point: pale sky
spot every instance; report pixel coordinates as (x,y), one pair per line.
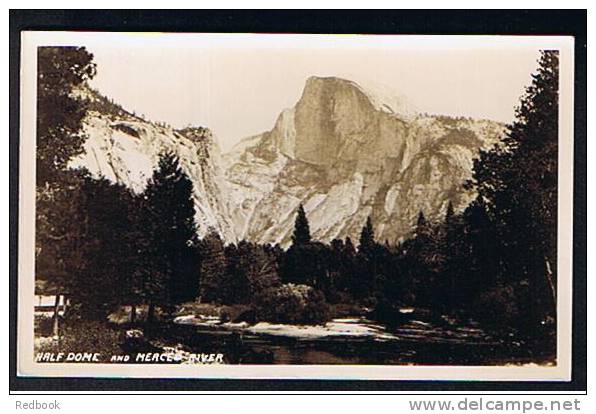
(237,86)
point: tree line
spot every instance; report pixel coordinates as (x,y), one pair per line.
(105,246)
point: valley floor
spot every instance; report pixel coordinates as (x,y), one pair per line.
(343,340)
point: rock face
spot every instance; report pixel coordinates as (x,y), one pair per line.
(341,151)
(125,148)
(346,154)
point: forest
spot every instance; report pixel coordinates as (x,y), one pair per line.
(104,247)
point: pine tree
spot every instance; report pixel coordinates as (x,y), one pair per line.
(349,247)
(367,266)
(170,207)
(348,273)
(518,182)
(236,278)
(107,250)
(215,285)
(60,222)
(336,264)
(423,263)
(367,237)
(452,250)
(301,233)
(449,213)
(256,272)
(60,113)
(142,286)
(421,223)
(297,264)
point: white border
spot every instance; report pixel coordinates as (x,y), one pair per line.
(25,361)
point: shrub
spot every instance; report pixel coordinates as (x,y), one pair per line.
(88,336)
(498,306)
(290,303)
(231,313)
(43,325)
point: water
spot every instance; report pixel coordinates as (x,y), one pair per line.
(343,341)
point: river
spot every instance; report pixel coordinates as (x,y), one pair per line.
(354,340)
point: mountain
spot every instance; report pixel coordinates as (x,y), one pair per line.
(345,153)
(125,148)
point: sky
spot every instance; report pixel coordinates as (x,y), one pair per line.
(238,84)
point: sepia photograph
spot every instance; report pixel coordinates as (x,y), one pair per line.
(295,205)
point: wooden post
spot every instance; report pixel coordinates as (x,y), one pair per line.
(55,325)
(551,282)
(150,313)
(133,313)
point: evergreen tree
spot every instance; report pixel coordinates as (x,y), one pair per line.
(518,182)
(300,262)
(301,233)
(421,224)
(215,283)
(307,264)
(349,247)
(255,272)
(236,278)
(367,237)
(60,237)
(453,251)
(366,281)
(142,286)
(423,260)
(107,250)
(59,218)
(59,112)
(336,263)
(170,207)
(347,278)
(482,266)
(449,213)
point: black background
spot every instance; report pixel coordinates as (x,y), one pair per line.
(435,22)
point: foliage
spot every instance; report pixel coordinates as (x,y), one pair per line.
(107,247)
(499,303)
(290,303)
(341,264)
(59,113)
(367,238)
(518,181)
(251,269)
(307,264)
(59,138)
(85,337)
(214,285)
(60,232)
(301,233)
(172,231)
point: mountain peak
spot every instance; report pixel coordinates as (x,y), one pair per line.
(334,119)
(314,78)
(382,97)
(346,151)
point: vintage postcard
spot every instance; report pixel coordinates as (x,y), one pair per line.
(295,206)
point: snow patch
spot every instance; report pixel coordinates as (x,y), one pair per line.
(335,328)
(385,99)
(208,321)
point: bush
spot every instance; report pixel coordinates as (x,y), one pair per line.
(292,303)
(232,313)
(88,336)
(498,306)
(346,309)
(43,325)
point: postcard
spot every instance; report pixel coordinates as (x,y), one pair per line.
(295,206)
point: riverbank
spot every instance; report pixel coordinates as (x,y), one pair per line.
(422,338)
